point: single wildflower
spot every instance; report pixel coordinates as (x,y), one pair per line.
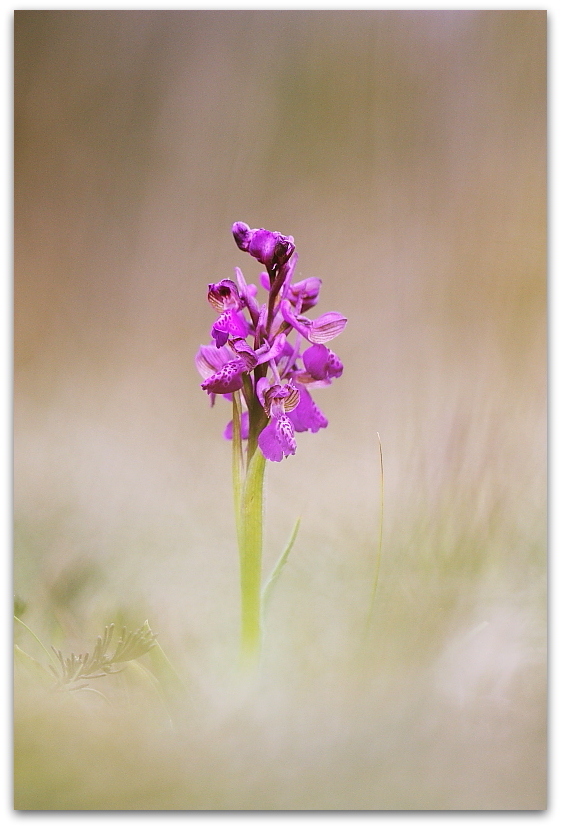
(267,378)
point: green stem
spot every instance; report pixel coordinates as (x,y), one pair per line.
(257,421)
(250,548)
(237,463)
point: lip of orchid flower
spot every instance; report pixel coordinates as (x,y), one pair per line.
(229,323)
(277,439)
(229,376)
(228,379)
(225,377)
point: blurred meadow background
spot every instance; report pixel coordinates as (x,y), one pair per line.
(406,153)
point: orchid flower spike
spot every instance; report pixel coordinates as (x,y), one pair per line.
(251,352)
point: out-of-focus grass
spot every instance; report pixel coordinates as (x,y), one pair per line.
(440,705)
(406,153)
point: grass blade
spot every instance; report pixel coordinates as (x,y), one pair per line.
(267,589)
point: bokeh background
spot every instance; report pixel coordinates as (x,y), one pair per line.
(406,153)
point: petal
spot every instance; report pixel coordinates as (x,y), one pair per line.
(321,363)
(242,234)
(228,379)
(277,439)
(229,323)
(299,323)
(269,444)
(284,430)
(266,354)
(224,295)
(307,416)
(260,388)
(210,359)
(305,292)
(219,334)
(291,396)
(326,327)
(229,430)
(315,361)
(262,246)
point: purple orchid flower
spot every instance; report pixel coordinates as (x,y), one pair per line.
(277,440)
(250,351)
(270,248)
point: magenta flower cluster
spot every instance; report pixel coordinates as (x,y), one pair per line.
(273,374)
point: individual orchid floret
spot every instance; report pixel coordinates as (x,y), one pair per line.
(224,295)
(270,248)
(229,377)
(277,440)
